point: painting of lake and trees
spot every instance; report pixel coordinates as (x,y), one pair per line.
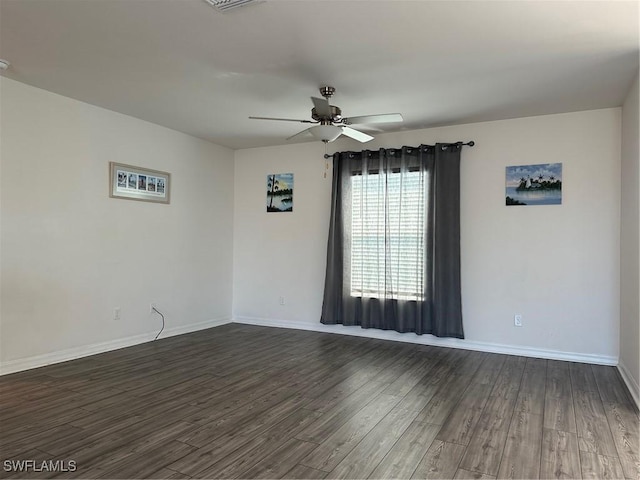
(534,184)
(280,192)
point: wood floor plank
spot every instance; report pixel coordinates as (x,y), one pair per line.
(405,455)
(159,391)
(444,400)
(582,378)
(490,435)
(593,430)
(245,458)
(462,474)
(339,414)
(98,454)
(468,363)
(259,447)
(622,416)
(68,444)
(217,448)
(385,370)
(459,426)
(36,435)
(558,378)
(558,402)
(364,457)
(508,382)
(522,451)
(175,475)
(559,414)
(412,374)
(600,467)
(143,464)
(247,401)
(611,387)
(141,431)
(281,461)
(337,393)
(559,457)
(273,415)
(202,458)
(291,425)
(490,369)
(440,461)
(338,445)
(166,473)
(59,402)
(234,419)
(532,387)
(241,459)
(300,471)
(625,429)
(486,445)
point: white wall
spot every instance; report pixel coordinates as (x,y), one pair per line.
(280,254)
(558,266)
(630,244)
(70,254)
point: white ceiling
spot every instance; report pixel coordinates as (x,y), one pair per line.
(182,64)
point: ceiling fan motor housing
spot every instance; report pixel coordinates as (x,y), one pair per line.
(336,115)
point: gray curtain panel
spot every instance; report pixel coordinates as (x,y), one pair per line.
(393,257)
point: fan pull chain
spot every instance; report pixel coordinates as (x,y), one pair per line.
(326,160)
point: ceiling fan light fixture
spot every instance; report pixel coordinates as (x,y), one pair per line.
(326,133)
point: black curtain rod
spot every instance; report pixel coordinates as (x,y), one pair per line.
(459,144)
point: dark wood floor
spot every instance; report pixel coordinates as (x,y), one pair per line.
(255,402)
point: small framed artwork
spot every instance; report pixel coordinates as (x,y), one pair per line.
(280,192)
(137,183)
(539,184)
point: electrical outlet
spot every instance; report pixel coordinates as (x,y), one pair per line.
(116,313)
(517,320)
(152,307)
(281,300)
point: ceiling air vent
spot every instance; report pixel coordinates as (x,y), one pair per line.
(228,5)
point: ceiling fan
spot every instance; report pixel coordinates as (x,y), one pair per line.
(330,123)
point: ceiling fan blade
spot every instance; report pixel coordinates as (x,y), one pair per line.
(355,134)
(283,119)
(323,109)
(303,132)
(382,118)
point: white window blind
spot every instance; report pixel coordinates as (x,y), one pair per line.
(388,235)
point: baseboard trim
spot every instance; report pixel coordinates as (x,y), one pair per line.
(29,363)
(431,340)
(632,385)
(194,327)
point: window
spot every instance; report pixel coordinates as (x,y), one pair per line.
(388,235)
